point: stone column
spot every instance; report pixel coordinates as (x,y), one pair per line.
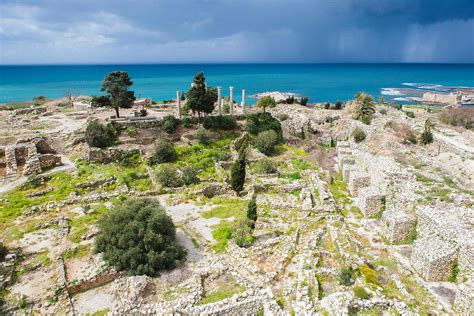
(178,103)
(243,100)
(219,96)
(231,99)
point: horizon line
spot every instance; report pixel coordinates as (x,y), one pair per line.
(237,63)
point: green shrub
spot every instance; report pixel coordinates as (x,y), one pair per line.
(131,131)
(364,107)
(237,173)
(164,152)
(427,136)
(187,121)
(203,136)
(266,141)
(345,276)
(224,122)
(260,122)
(265,166)
(338,105)
(170,124)
(168,176)
(139,237)
(241,232)
(252,211)
(304,101)
(3,252)
(34,181)
(358,134)
(410,114)
(99,135)
(369,274)
(458,117)
(360,292)
(189,175)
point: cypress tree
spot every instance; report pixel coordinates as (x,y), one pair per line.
(237,173)
(252,211)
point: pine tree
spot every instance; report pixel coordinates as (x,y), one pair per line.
(237,173)
(116,85)
(200,98)
(252,211)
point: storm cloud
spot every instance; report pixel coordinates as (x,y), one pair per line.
(198,31)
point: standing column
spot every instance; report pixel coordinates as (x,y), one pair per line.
(178,103)
(219,95)
(243,100)
(231,99)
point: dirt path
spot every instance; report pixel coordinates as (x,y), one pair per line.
(453,142)
(68,165)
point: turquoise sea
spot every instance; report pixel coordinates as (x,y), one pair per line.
(319,82)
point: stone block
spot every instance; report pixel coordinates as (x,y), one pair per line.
(464,300)
(371,201)
(345,160)
(398,225)
(433,258)
(466,261)
(346,172)
(358,180)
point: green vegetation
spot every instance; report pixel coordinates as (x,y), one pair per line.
(266,102)
(463,116)
(99,135)
(260,122)
(3,251)
(237,173)
(292,176)
(168,176)
(345,276)
(116,85)
(252,211)
(231,207)
(170,124)
(360,292)
(454,272)
(221,122)
(369,274)
(200,98)
(265,166)
(203,136)
(223,290)
(358,134)
(100,101)
(364,107)
(164,151)
(139,237)
(427,136)
(266,141)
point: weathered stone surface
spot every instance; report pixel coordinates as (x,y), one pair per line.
(464,301)
(398,225)
(357,181)
(433,258)
(371,201)
(110,154)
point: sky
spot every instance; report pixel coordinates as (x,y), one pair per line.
(244,31)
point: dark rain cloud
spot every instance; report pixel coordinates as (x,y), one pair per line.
(147,31)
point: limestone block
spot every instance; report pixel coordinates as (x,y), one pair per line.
(433,258)
(466,261)
(32,164)
(10,159)
(346,172)
(398,225)
(358,180)
(464,300)
(346,160)
(371,201)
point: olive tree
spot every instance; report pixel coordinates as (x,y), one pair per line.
(139,237)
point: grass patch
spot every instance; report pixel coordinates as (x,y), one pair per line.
(228,208)
(292,176)
(421,178)
(78,252)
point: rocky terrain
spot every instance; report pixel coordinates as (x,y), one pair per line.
(381,225)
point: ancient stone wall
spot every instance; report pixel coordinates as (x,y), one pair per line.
(433,258)
(108,155)
(92,283)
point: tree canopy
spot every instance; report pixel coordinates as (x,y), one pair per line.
(237,173)
(139,237)
(116,85)
(364,107)
(199,98)
(266,102)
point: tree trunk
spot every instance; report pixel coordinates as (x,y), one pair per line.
(117,112)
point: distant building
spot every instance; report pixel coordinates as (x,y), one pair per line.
(453,99)
(142,102)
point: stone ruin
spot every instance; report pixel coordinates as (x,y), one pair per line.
(28,156)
